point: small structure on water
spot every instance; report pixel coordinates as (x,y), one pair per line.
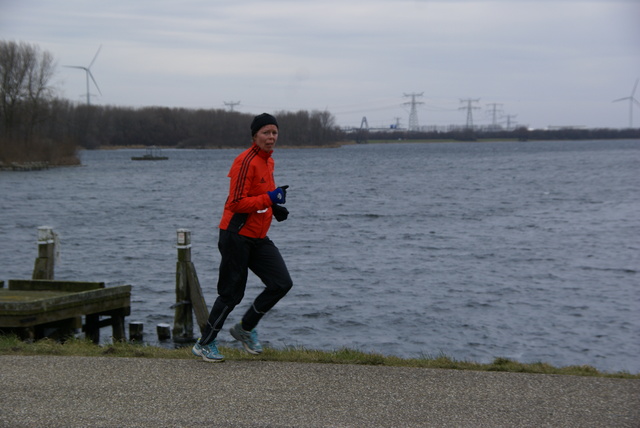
(153,154)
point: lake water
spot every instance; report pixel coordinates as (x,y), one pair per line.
(520,250)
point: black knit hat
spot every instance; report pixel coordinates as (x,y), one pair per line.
(261,120)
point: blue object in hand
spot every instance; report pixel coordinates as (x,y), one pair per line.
(278,196)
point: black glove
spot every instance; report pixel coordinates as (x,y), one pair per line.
(279,212)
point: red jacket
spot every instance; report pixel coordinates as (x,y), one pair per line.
(248,207)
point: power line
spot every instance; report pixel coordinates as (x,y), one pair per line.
(366,110)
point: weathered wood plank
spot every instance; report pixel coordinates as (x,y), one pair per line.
(196,296)
(183,317)
(44,265)
(189,296)
(53,285)
(16,311)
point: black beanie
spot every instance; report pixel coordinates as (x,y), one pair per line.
(261,120)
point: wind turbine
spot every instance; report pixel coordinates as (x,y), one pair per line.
(89,75)
(632,100)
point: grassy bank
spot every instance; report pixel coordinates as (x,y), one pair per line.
(38,150)
(10,345)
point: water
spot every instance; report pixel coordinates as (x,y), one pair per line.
(519,250)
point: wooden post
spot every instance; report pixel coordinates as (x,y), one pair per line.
(44,265)
(164,332)
(136,331)
(189,297)
(117,324)
(92,327)
(183,318)
(115,319)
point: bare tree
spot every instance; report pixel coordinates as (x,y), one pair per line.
(25,73)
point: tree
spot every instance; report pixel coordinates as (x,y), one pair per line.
(25,72)
(31,119)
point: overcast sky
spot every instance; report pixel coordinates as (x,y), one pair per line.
(542,63)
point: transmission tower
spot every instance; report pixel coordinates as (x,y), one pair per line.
(494,111)
(469,107)
(413,115)
(231,104)
(509,122)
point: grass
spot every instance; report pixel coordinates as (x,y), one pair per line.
(11,345)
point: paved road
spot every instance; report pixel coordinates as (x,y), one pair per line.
(49,391)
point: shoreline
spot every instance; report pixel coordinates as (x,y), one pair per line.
(12,346)
(353,143)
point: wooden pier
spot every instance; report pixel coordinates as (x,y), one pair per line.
(31,308)
(42,307)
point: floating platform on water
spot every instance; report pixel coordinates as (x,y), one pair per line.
(31,307)
(152,154)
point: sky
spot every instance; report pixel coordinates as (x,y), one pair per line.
(534,63)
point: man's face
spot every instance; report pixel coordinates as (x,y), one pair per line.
(266,137)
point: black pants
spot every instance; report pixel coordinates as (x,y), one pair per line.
(239,254)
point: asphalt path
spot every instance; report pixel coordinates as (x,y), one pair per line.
(54,391)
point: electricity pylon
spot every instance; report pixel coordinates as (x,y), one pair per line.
(494,114)
(231,104)
(509,118)
(469,107)
(413,114)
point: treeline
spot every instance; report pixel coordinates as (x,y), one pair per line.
(104,126)
(521,134)
(577,134)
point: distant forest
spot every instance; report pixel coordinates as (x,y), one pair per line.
(38,126)
(519,134)
(98,126)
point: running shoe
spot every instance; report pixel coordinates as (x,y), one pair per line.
(249,339)
(208,352)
